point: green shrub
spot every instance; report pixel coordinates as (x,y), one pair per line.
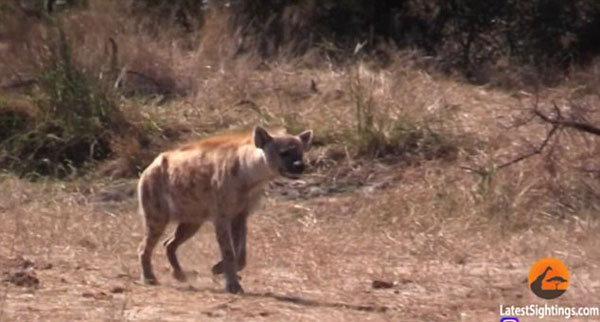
(411,138)
(410,134)
(187,14)
(74,121)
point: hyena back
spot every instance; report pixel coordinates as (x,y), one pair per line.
(220,179)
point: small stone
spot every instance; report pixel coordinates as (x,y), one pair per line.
(46,266)
(377,284)
(316,191)
(117,290)
(24,278)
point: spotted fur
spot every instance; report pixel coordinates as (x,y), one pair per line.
(220,179)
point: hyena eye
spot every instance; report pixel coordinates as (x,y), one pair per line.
(285,154)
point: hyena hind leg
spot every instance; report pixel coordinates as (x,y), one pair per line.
(153,232)
(183,232)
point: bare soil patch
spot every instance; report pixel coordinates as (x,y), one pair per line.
(323,258)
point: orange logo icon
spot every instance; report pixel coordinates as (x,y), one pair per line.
(549,278)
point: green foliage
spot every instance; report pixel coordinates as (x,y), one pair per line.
(67,97)
(5,10)
(410,138)
(12,120)
(188,14)
(293,123)
(465,34)
(72,125)
(410,135)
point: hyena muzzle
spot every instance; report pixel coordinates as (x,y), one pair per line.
(220,179)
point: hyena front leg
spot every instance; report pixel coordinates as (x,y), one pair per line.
(183,232)
(153,231)
(238,230)
(223,231)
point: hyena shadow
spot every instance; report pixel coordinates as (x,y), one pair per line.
(301,301)
(294,299)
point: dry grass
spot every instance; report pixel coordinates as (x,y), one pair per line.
(455,244)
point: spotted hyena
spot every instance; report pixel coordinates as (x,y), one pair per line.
(221,179)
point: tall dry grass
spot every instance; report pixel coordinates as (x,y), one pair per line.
(405,114)
(404,164)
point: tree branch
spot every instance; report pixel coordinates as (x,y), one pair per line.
(536,151)
(557,123)
(580,126)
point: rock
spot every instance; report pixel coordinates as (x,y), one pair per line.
(315,192)
(19,271)
(24,278)
(377,284)
(117,290)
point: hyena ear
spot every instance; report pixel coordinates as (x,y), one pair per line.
(306,138)
(261,137)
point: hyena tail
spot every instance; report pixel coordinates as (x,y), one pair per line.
(152,190)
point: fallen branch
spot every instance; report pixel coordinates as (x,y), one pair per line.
(536,151)
(557,122)
(580,126)
(483,171)
(19,83)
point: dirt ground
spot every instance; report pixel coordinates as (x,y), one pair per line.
(69,252)
(437,234)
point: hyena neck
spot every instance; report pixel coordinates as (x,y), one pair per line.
(255,166)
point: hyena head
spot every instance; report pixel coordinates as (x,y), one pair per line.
(284,153)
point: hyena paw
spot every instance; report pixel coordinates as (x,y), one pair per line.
(149,280)
(217,269)
(180,276)
(234,288)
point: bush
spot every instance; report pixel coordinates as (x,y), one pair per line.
(464,34)
(188,14)
(72,122)
(409,138)
(410,134)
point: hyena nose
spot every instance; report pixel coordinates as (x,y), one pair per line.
(298,166)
